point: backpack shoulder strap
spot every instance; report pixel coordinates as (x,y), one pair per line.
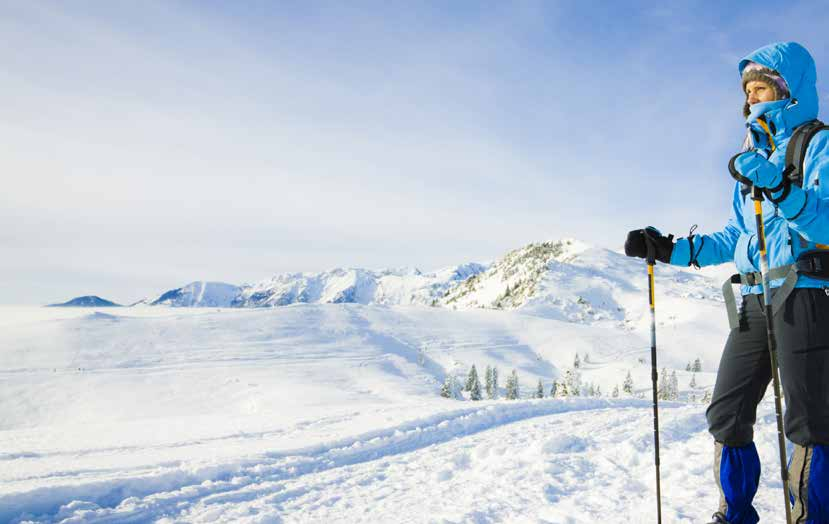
(796,150)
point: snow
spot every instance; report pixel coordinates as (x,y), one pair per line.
(331,413)
(403,286)
(198,294)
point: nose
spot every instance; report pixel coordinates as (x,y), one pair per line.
(752,98)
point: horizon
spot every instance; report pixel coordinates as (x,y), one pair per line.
(155,145)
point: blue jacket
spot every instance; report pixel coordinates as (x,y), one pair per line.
(801,221)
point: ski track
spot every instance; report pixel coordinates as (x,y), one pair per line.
(155,494)
(524,461)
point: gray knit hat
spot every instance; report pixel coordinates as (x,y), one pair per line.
(756,72)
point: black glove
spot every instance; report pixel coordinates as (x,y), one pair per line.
(636,244)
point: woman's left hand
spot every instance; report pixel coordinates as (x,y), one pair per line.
(760,171)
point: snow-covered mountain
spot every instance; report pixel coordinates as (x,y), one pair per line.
(87,301)
(573,281)
(360,286)
(563,279)
(199,294)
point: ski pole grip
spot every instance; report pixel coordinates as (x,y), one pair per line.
(651,248)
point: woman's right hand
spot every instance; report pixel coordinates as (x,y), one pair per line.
(636,244)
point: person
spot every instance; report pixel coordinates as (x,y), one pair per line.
(779,82)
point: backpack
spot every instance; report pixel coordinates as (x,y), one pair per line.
(796,150)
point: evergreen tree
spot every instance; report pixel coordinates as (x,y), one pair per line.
(688,366)
(577,362)
(697,367)
(587,358)
(674,383)
(572,380)
(663,390)
(598,391)
(488,381)
(475,389)
(591,390)
(562,388)
(616,391)
(471,378)
(510,393)
(539,391)
(494,383)
(627,386)
(693,383)
(446,388)
(554,389)
(706,398)
(513,391)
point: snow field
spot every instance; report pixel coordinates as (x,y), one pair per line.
(331,413)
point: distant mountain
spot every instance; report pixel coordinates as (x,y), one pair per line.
(406,286)
(87,301)
(199,294)
(564,279)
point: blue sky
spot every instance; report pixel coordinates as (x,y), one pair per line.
(145,145)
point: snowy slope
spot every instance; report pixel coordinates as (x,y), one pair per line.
(361,286)
(572,281)
(199,294)
(331,413)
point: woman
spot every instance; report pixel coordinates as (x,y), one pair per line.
(779,83)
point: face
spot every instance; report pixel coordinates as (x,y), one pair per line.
(757,91)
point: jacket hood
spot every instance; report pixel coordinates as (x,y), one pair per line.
(797,67)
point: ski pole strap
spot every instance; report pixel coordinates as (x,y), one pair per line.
(789,272)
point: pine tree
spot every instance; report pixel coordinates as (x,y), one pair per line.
(598,391)
(706,398)
(554,389)
(587,358)
(663,390)
(475,389)
(562,388)
(627,386)
(572,381)
(674,383)
(591,390)
(510,393)
(539,391)
(513,391)
(688,366)
(577,362)
(446,388)
(616,391)
(697,367)
(693,383)
(471,378)
(494,383)
(488,381)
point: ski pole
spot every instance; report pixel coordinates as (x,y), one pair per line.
(757,197)
(651,259)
